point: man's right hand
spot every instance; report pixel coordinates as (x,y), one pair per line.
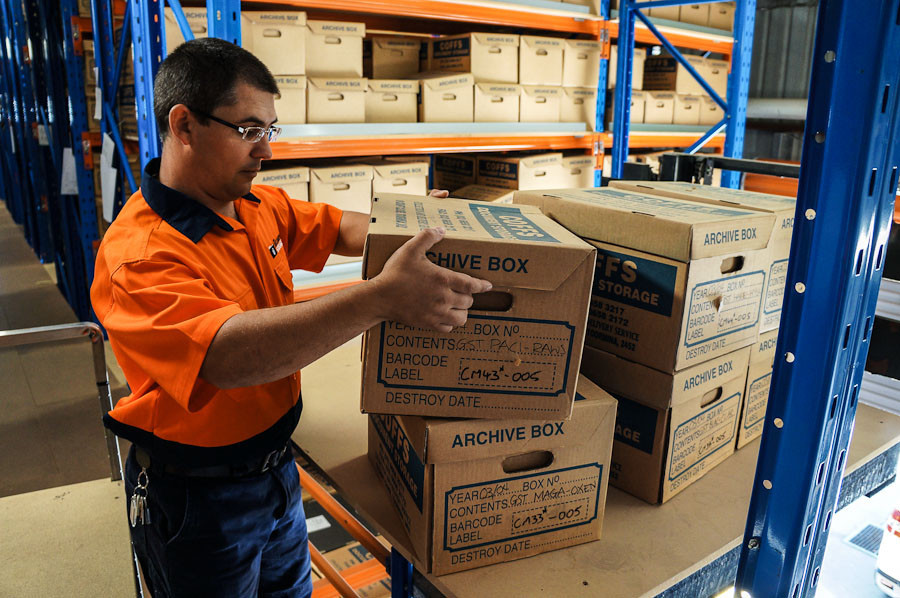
(416,292)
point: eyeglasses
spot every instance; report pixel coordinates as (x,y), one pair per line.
(251,134)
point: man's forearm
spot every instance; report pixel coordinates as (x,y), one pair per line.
(263,345)
(352,235)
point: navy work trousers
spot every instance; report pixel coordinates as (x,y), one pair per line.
(237,537)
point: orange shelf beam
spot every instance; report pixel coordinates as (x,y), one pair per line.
(485,14)
(679,38)
(320,147)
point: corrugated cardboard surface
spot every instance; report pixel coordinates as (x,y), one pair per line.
(541,60)
(346,187)
(637,68)
(446,98)
(453,171)
(196,18)
(664,73)
(336,100)
(490,57)
(710,112)
(721,16)
(579,104)
(392,57)
(294,180)
(484,193)
(670,428)
(539,171)
(391,101)
(779,246)
(516,362)
(400,177)
(276,38)
(659,107)
(756,396)
(290,105)
(473,493)
(496,102)
(697,14)
(580,60)
(334,49)
(687,109)
(579,170)
(540,103)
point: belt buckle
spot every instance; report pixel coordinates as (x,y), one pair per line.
(272,459)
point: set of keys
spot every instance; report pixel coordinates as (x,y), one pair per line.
(138,512)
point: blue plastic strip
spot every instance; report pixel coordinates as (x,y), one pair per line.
(681,59)
(707,136)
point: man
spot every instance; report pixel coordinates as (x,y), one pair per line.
(193,284)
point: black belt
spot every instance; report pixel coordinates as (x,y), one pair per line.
(244,469)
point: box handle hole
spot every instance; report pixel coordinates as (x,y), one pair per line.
(496,99)
(333,39)
(711,397)
(492,301)
(541,52)
(389,97)
(449,97)
(398,182)
(527,461)
(732,264)
(335,97)
(271,33)
(340,186)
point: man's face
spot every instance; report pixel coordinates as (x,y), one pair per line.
(226,163)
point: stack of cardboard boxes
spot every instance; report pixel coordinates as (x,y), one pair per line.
(717,15)
(673,96)
(680,290)
(486,449)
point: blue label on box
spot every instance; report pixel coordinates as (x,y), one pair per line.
(405,459)
(506,222)
(635,424)
(451,48)
(635,281)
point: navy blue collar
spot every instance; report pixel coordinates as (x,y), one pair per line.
(183,213)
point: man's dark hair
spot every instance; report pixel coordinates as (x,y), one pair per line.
(202,74)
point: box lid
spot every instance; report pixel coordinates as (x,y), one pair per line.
(537,42)
(291,81)
(393,86)
(578,161)
(533,161)
(393,43)
(196,18)
(394,169)
(338,28)
(499,89)
(496,39)
(341,174)
(450,440)
(283,176)
(748,200)
(541,91)
(443,81)
(675,228)
(483,193)
(584,45)
(580,91)
(763,352)
(338,84)
(518,237)
(287,18)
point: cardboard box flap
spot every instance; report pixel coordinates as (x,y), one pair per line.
(337,28)
(338,84)
(445,81)
(542,91)
(388,43)
(291,81)
(393,86)
(483,193)
(342,174)
(623,378)
(283,176)
(452,440)
(392,169)
(580,92)
(683,230)
(514,239)
(538,42)
(583,45)
(749,200)
(578,162)
(496,39)
(276,20)
(499,89)
(196,18)
(709,377)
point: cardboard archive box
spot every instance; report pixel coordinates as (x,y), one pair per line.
(391,57)
(579,105)
(497,102)
(485,193)
(393,176)
(671,429)
(336,100)
(637,108)
(454,171)
(540,104)
(446,98)
(687,109)
(334,49)
(290,104)
(490,57)
(276,38)
(659,107)
(696,14)
(348,187)
(391,101)
(517,355)
(90,65)
(294,180)
(477,492)
(580,60)
(779,248)
(516,171)
(196,18)
(715,72)
(578,171)
(666,12)
(677,282)
(637,68)
(721,16)
(541,60)
(664,73)
(759,380)
(710,112)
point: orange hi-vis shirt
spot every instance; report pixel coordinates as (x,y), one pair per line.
(169,273)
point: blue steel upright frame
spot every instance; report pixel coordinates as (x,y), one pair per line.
(735,111)
(848,181)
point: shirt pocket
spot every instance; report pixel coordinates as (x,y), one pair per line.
(285,278)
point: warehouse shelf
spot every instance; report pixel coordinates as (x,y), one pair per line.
(682,35)
(501,14)
(879,391)
(889,300)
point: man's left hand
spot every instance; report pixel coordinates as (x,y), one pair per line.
(439,193)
